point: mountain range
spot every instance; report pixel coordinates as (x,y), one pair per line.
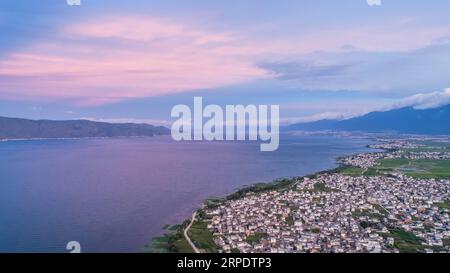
(17,128)
(407,120)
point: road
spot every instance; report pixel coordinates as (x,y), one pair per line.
(187,236)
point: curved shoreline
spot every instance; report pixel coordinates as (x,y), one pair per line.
(277,184)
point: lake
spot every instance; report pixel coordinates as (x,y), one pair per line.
(114,195)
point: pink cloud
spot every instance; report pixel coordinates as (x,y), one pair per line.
(117,58)
(142,58)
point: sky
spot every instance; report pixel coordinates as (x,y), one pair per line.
(123,61)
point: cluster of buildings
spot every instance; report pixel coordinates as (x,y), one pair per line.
(397,149)
(427,155)
(395,145)
(363,161)
(335,213)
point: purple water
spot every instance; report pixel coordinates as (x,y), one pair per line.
(114,195)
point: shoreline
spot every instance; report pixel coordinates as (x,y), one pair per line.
(203,238)
(173,232)
(75,138)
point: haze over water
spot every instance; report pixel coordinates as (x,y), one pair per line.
(114,195)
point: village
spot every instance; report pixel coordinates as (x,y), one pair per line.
(333,213)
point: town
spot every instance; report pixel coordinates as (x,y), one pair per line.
(333,212)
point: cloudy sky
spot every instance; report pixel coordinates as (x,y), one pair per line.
(117,60)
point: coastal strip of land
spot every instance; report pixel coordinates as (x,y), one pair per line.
(396,200)
(186,236)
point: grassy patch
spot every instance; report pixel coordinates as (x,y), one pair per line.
(158,245)
(255,238)
(322,187)
(381,210)
(356,171)
(443,205)
(351,171)
(213,202)
(290,220)
(406,242)
(280,184)
(171,242)
(372,172)
(365,213)
(422,168)
(182,246)
(446,242)
(202,237)
(315,230)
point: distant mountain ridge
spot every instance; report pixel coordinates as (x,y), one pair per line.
(18,128)
(404,120)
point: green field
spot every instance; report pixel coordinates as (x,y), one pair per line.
(443,205)
(321,187)
(182,246)
(365,213)
(422,168)
(255,238)
(202,237)
(279,184)
(351,171)
(356,171)
(172,241)
(158,245)
(404,241)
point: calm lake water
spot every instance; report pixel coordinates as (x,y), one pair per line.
(114,195)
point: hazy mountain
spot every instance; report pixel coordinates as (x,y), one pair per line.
(405,120)
(13,128)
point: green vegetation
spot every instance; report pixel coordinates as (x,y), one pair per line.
(351,171)
(417,168)
(366,224)
(213,202)
(182,246)
(430,146)
(404,241)
(356,171)
(366,213)
(290,220)
(446,242)
(171,242)
(443,205)
(174,242)
(202,237)
(280,184)
(322,187)
(382,210)
(158,245)
(255,238)
(372,172)
(421,168)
